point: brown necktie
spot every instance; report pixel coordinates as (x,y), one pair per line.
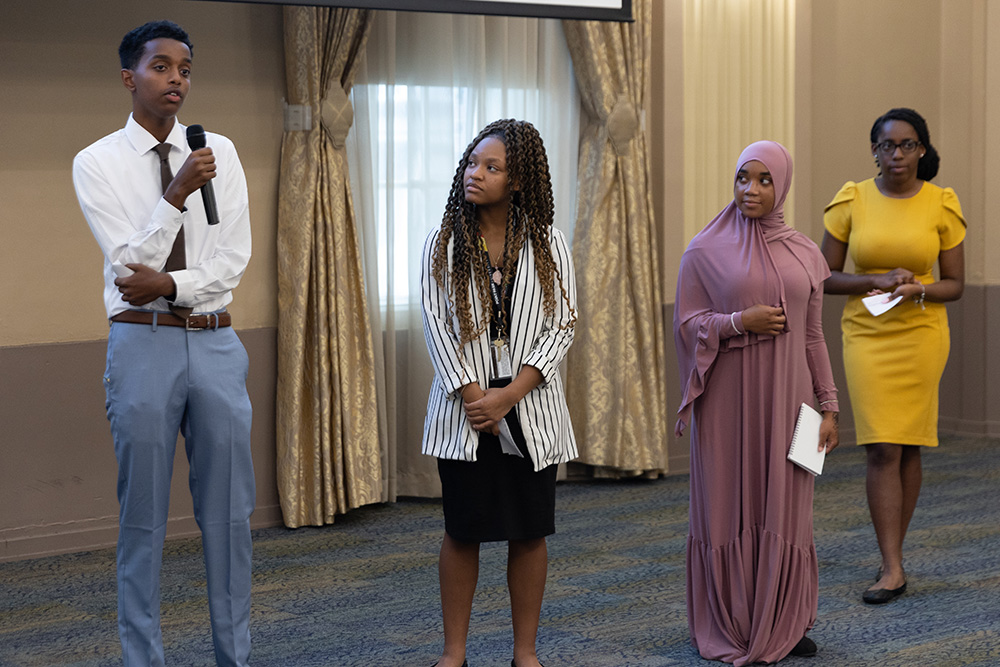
(176,260)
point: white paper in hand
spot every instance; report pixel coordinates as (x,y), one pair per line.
(879,303)
(507,443)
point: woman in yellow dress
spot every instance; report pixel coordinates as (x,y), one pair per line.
(895,227)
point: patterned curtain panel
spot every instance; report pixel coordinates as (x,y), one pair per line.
(329,452)
(428,84)
(616,379)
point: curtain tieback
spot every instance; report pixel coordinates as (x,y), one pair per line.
(622,124)
(337,114)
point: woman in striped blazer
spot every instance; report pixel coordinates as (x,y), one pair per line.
(499,306)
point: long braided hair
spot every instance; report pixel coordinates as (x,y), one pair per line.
(927,167)
(529,216)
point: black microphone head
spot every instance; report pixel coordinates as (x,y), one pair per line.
(196,137)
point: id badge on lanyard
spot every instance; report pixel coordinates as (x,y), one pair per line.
(501,358)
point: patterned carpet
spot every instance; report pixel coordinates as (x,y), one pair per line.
(364,592)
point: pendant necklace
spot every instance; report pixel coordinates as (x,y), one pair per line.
(495,266)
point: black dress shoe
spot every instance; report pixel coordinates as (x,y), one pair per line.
(806,648)
(883,595)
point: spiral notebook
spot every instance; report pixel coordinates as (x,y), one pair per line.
(805,441)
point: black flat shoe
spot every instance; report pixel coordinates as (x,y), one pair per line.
(806,648)
(883,595)
(464,664)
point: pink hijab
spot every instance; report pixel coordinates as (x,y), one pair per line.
(727,268)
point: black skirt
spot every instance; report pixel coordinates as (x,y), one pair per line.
(499,496)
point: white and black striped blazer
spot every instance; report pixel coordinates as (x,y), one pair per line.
(535,341)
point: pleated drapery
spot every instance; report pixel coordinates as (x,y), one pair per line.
(429,83)
(616,379)
(329,448)
(739,87)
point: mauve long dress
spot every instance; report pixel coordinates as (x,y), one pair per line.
(751,562)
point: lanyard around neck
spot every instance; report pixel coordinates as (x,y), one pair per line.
(495,289)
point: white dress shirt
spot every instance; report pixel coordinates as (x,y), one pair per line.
(535,340)
(117,181)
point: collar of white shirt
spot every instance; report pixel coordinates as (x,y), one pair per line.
(143,142)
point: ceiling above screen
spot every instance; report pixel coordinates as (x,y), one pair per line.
(597,10)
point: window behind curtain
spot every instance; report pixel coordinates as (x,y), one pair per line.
(429,84)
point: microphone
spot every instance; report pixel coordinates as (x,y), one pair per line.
(196,140)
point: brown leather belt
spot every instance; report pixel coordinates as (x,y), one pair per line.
(167,319)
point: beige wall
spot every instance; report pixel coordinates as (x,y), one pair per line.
(854,60)
(859,72)
(935,58)
(665,119)
(60,75)
(987,138)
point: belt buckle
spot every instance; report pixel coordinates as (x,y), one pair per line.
(188,326)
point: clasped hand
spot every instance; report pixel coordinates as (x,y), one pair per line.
(901,282)
(761,319)
(485,409)
(145,285)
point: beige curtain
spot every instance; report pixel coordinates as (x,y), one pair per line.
(329,454)
(739,87)
(616,384)
(428,84)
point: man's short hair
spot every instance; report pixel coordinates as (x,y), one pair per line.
(134,43)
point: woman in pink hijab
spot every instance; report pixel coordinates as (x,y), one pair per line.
(750,347)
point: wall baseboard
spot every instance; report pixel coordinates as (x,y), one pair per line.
(90,534)
(956,426)
(57,482)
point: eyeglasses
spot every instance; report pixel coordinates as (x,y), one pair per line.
(906,145)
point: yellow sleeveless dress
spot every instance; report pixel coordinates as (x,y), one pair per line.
(894,361)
